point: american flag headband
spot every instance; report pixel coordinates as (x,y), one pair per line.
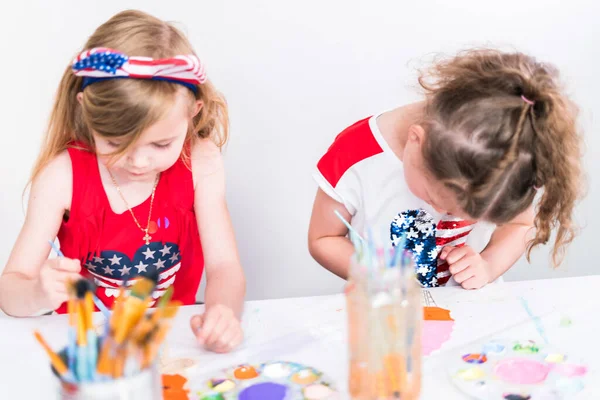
(99,64)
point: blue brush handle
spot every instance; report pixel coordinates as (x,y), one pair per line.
(82,364)
(92,353)
(71,350)
(69,377)
(350,228)
(56,249)
(103,309)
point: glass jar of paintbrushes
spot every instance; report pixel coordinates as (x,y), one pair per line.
(119,362)
(384,323)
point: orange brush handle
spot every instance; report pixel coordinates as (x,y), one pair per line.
(56,361)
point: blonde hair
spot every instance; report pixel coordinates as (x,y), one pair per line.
(124,108)
(500,127)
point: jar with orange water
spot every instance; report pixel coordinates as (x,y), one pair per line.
(384,327)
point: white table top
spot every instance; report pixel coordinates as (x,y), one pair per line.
(312,331)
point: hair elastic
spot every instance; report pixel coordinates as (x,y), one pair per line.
(526,100)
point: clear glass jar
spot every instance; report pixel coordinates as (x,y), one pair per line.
(145,385)
(384,333)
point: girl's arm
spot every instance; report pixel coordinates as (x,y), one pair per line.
(327,241)
(473,270)
(219,327)
(30,283)
(508,243)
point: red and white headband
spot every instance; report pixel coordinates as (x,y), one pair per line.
(100,64)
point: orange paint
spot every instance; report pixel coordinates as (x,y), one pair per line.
(475,358)
(436,314)
(174,387)
(245,372)
(304,377)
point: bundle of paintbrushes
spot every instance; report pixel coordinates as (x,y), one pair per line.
(130,339)
(384,321)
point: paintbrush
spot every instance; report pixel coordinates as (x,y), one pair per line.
(117,309)
(83,291)
(61,369)
(119,363)
(392,320)
(127,312)
(146,329)
(92,338)
(159,334)
(104,367)
(350,228)
(376,298)
(82,364)
(55,248)
(108,350)
(103,309)
(152,346)
(380,344)
(149,333)
(166,298)
(163,310)
(72,330)
(72,311)
(134,306)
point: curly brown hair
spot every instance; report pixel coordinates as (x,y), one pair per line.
(500,127)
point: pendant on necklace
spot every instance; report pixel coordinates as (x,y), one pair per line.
(147,237)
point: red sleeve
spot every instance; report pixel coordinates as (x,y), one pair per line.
(351,146)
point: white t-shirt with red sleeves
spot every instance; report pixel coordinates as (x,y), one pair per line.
(361,171)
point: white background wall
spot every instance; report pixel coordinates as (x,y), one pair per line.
(295,74)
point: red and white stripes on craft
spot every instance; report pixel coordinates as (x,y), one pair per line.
(450,232)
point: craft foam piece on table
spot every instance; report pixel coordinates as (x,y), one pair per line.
(174,387)
(277,380)
(437,328)
(516,370)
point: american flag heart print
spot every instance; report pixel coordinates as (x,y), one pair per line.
(111,269)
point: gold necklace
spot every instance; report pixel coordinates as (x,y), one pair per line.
(147,236)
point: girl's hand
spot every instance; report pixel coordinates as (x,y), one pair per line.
(468,268)
(218,329)
(54,276)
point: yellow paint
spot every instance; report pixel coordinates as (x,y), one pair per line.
(555,358)
(224,387)
(471,374)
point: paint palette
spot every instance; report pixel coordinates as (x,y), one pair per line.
(276,380)
(517,370)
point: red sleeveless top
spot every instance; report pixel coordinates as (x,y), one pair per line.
(110,246)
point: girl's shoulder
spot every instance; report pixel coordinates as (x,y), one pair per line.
(59,165)
(56,180)
(206,161)
(205,151)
